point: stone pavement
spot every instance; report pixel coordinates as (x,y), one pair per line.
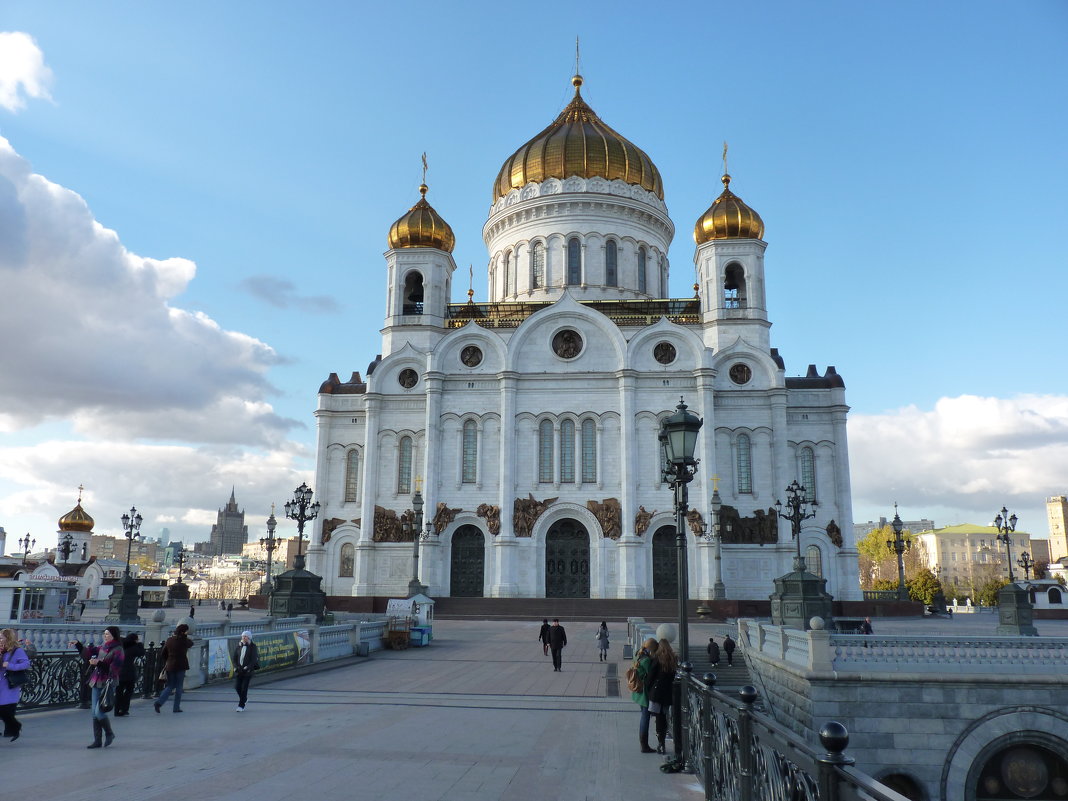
(478,715)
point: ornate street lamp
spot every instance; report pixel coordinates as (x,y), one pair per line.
(797,502)
(719,590)
(799,595)
(413,527)
(122,606)
(301,509)
(1016,615)
(1027,563)
(25,545)
(269,543)
(899,545)
(66,545)
(298,591)
(1006,527)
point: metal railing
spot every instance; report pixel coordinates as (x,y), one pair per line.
(61,678)
(740,754)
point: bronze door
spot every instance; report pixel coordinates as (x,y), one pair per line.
(468,563)
(567,561)
(665,563)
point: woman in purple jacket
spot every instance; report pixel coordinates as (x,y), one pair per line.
(106,663)
(12,657)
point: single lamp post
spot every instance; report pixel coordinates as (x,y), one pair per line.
(899,545)
(301,509)
(26,545)
(797,504)
(269,543)
(719,590)
(413,527)
(1027,563)
(1006,527)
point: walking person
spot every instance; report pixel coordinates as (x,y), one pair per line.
(865,627)
(602,641)
(175,663)
(246,660)
(229,610)
(557,641)
(543,635)
(728,649)
(13,657)
(105,663)
(661,690)
(643,663)
(132,649)
(713,652)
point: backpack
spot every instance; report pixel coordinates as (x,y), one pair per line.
(634,681)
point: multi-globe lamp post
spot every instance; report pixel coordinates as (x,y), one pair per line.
(899,545)
(1027,564)
(1015,613)
(301,509)
(122,606)
(25,546)
(799,596)
(298,591)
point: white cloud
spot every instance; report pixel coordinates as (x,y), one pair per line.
(966,457)
(23,73)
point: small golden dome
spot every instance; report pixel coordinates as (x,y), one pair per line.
(76,520)
(728,218)
(578,143)
(422,227)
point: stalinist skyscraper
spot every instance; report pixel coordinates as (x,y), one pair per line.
(230,532)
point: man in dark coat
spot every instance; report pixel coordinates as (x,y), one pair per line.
(728,649)
(713,652)
(557,641)
(543,635)
(246,660)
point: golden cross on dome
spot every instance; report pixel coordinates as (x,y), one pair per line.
(724,156)
(715,483)
(81,488)
(424,167)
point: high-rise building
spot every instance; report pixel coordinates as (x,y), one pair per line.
(229,533)
(1057,513)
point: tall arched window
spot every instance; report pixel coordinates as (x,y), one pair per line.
(808,473)
(545,452)
(537,266)
(734,287)
(352,476)
(589,452)
(663,277)
(506,286)
(574,262)
(745,464)
(567,452)
(470,451)
(643,278)
(347,560)
(610,257)
(813,560)
(404,466)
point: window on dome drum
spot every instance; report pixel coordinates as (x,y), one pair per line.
(352,475)
(813,560)
(744,464)
(404,466)
(808,473)
(346,561)
(589,452)
(663,278)
(734,287)
(507,273)
(545,452)
(470,451)
(567,452)
(574,262)
(643,279)
(537,266)
(413,294)
(610,254)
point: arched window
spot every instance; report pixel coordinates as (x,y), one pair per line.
(537,266)
(506,286)
(545,452)
(745,464)
(610,271)
(643,279)
(346,560)
(589,452)
(813,561)
(413,293)
(404,466)
(567,452)
(1053,595)
(352,476)
(734,287)
(470,451)
(663,277)
(808,473)
(574,262)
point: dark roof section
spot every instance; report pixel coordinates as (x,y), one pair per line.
(813,380)
(333,386)
(775,357)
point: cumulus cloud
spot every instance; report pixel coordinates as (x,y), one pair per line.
(97,338)
(968,455)
(282,294)
(23,73)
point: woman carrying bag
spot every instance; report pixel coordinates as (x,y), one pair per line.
(105,664)
(175,664)
(13,663)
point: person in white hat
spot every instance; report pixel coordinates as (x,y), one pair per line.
(246,660)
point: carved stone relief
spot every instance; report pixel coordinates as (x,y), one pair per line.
(492,516)
(328,528)
(694,520)
(525,513)
(609,513)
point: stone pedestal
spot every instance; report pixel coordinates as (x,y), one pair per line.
(1015,614)
(800,596)
(124,602)
(298,592)
(179,591)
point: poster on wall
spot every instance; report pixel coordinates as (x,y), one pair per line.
(219,664)
(276,650)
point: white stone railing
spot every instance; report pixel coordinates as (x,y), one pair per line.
(971,655)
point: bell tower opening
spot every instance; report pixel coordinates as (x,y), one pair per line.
(413,293)
(734,296)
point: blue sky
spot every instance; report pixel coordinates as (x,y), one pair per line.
(908,160)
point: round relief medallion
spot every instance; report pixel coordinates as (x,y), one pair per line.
(740,373)
(664,352)
(567,344)
(471,356)
(408,378)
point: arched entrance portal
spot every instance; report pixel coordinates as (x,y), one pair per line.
(665,563)
(468,563)
(567,560)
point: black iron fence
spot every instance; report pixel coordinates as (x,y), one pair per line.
(740,754)
(61,678)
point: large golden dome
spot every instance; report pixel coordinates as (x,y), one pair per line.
(578,143)
(76,520)
(422,227)
(728,218)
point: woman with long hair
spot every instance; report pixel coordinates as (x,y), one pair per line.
(643,663)
(602,641)
(105,662)
(12,657)
(661,683)
(175,663)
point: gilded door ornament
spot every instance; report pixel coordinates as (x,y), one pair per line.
(608,513)
(834,534)
(761,529)
(492,516)
(389,526)
(695,521)
(443,517)
(525,513)
(641,520)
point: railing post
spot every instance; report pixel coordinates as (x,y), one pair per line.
(711,792)
(748,694)
(149,672)
(686,673)
(834,737)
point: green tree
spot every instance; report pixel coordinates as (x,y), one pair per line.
(879,562)
(883,584)
(923,586)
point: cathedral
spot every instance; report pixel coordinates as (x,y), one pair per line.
(527,425)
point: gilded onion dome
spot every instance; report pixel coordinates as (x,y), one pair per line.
(578,143)
(728,218)
(76,520)
(422,227)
